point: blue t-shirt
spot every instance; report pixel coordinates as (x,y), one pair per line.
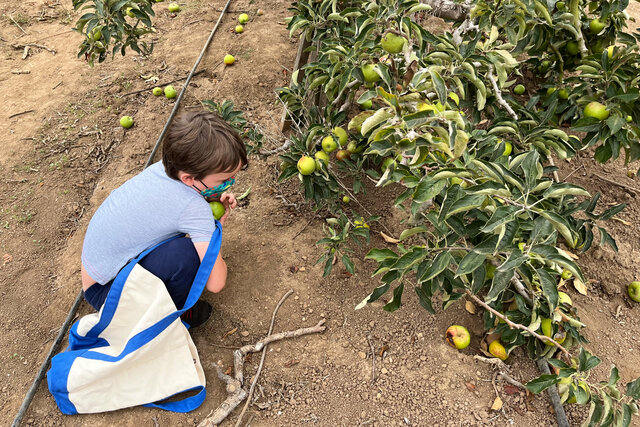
(144,211)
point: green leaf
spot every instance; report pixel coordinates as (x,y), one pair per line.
(378,117)
(410,259)
(470,262)
(440,262)
(424,298)
(549,288)
(348,264)
(614,376)
(466,203)
(500,282)
(542,383)
(380,255)
(427,189)
(412,231)
(373,296)
(563,189)
(633,389)
(606,238)
(502,215)
(396,301)
(615,123)
(560,224)
(441,87)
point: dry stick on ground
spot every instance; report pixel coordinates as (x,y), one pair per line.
(234,385)
(617,183)
(283,147)
(502,368)
(517,325)
(25,45)
(264,352)
(373,360)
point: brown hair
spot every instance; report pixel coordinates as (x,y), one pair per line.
(201,143)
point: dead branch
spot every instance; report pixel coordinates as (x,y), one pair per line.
(283,147)
(517,325)
(373,360)
(447,9)
(498,94)
(502,369)
(521,289)
(264,352)
(234,385)
(28,45)
(626,187)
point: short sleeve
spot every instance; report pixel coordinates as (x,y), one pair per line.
(197,221)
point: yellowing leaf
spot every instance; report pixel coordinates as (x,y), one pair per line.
(497,404)
(580,287)
(389,239)
(470,307)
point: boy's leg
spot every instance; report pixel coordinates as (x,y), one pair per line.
(176,263)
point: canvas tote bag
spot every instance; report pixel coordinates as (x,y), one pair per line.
(136,350)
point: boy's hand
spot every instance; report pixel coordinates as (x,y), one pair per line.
(229,201)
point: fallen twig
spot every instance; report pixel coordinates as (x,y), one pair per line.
(17,25)
(20,72)
(264,352)
(373,360)
(236,394)
(21,113)
(517,325)
(617,183)
(283,147)
(26,45)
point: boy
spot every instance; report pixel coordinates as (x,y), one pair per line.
(201,154)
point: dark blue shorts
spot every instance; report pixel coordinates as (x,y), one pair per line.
(175,263)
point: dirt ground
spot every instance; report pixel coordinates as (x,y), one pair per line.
(63,152)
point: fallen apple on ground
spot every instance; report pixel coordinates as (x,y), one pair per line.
(458,336)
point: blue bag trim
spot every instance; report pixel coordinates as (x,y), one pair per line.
(187,404)
(79,346)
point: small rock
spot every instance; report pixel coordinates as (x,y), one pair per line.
(244,333)
(303,269)
(362,355)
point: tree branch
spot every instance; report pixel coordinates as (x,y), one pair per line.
(517,325)
(498,93)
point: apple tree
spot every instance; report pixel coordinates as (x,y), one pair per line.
(471,159)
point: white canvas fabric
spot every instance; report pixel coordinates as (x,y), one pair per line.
(135,350)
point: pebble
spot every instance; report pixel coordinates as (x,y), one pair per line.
(362,355)
(244,333)
(384,371)
(302,269)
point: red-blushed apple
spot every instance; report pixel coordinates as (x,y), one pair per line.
(458,336)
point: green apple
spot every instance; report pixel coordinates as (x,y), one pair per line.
(329,144)
(306,165)
(217,209)
(596,26)
(341,134)
(566,274)
(369,74)
(157,91)
(243,18)
(239,29)
(572,48)
(366,105)
(596,110)
(170,92)
(126,121)
(174,7)
(346,199)
(458,336)
(393,43)
(322,156)
(634,291)
(130,12)
(519,89)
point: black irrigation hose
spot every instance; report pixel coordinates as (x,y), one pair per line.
(74,308)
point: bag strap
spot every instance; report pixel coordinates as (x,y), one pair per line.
(187,404)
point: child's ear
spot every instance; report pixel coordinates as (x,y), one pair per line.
(186,178)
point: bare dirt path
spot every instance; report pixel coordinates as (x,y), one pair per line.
(62,159)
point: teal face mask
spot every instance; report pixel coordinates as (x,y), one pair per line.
(216,191)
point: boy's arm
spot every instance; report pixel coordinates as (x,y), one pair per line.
(218,276)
